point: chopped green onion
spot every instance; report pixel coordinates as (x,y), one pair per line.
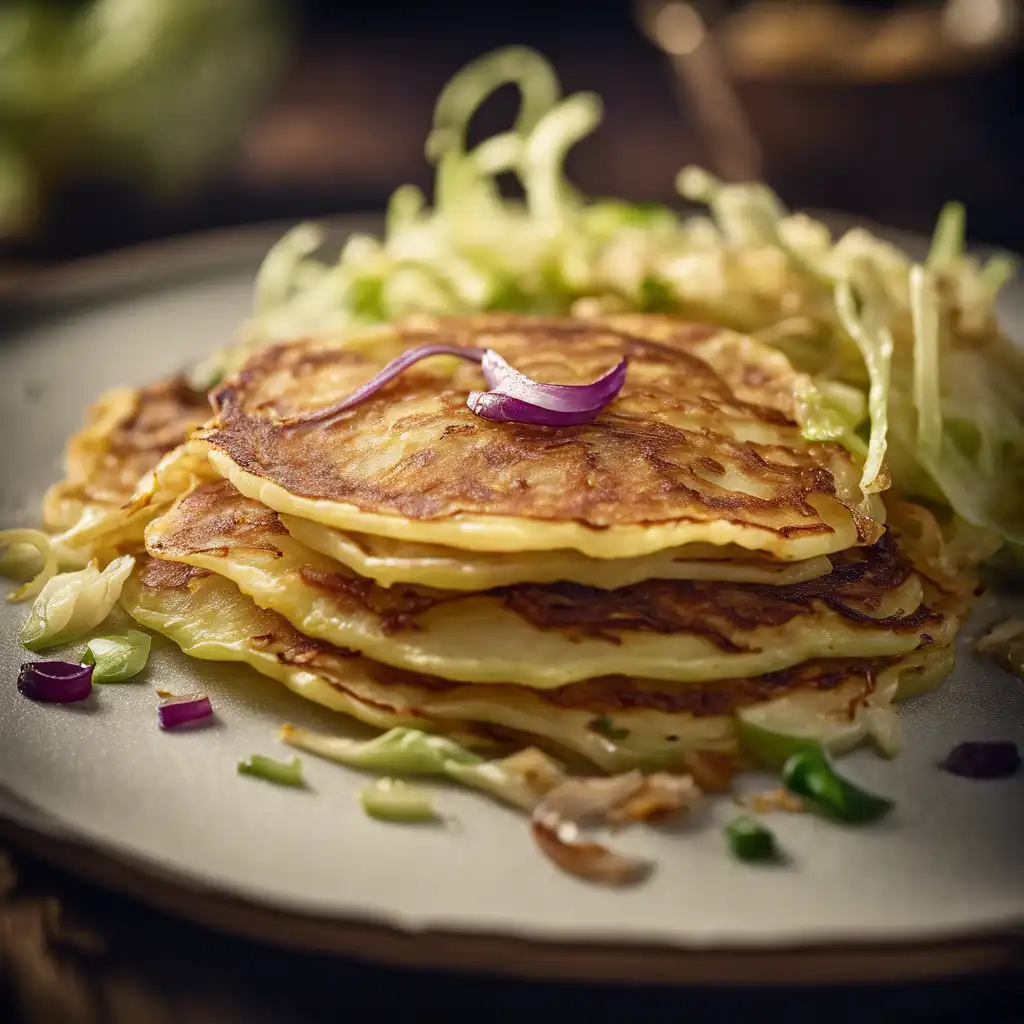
(393,800)
(750,840)
(810,774)
(117,657)
(656,295)
(283,773)
(606,727)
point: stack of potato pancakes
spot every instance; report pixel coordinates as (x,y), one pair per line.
(628,590)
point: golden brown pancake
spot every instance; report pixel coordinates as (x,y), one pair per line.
(388,561)
(650,723)
(700,446)
(547,636)
(126,433)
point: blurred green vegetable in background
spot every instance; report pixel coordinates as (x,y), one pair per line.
(149,92)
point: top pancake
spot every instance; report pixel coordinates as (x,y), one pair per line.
(701,445)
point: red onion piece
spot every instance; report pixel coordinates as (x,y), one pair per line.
(499,408)
(385,376)
(514,398)
(55,682)
(997,760)
(507,380)
(180,711)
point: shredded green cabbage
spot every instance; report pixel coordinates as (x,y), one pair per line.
(17,561)
(73,603)
(520,780)
(906,365)
(400,751)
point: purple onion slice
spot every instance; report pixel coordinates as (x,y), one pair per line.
(513,398)
(55,682)
(387,374)
(175,712)
(499,408)
(993,760)
(507,380)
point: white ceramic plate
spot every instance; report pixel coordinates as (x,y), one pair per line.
(169,817)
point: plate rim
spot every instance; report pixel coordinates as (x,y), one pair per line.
(508,956)
(989,951)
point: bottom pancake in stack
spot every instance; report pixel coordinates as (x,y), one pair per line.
(637,676)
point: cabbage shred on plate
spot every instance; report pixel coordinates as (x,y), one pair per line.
(905,363)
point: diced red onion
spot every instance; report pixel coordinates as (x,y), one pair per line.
(507,380)
(997,760)
(499,408)
(397,365)
(55,682)
(178,711)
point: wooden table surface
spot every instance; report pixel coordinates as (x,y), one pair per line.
(73,954)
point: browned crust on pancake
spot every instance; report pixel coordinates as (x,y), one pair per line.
(598,696)
(702,700)
(216,518)
(163,415)
(630,466)
(156,574)
(855,587)
(211,513)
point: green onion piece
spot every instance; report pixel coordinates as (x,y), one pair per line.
(809,773)
(393,800)
(604,726)
(655,295)
(750,840)
(117,657)
(283,773)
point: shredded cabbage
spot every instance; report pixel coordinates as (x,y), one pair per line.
(17,560)
(401,751)
(868,330)
(520,780)
(939,388)
(73,603)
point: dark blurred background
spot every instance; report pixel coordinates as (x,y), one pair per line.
(123,121)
